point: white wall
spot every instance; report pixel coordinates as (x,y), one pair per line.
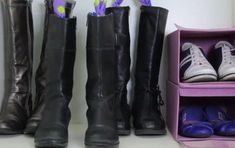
(233,13)
(188,13)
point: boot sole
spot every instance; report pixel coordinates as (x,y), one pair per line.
(102,146)
(105,144)
(98,145)
(124,132)
(146,132)
(51,143)
(10,132)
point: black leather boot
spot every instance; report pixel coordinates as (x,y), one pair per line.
(147,116)
(19,46)
(40,79)
(101,85)
(59,57)
(121,28)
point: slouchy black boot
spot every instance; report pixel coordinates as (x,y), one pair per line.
(19,45)
(121,28)
(147,116)
(40,80)
(59,57)
(101,85)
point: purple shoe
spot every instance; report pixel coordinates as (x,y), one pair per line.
(220,121)
(193,123)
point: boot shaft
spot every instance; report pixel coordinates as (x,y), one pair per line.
(60,52)
(19,44)
(121,19)
(40,77)
(150,43)
(101,60)
(122,47)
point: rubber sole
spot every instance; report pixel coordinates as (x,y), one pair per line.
(103,144)
(201,78)
(229,77)
(51,144)
(149,132)
(196,136)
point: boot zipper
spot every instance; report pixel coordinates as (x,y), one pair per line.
(100,95)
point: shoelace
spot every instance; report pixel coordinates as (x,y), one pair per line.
(227,55)
(197,57)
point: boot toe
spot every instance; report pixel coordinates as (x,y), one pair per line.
(197,131)
(123,128)
(101,137)
(31,127)
(153,127)
(8,129)
(51,137)
(227,129)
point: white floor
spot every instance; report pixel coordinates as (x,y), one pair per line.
(76,140)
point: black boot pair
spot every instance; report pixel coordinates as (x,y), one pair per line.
(108,64)
(54,77)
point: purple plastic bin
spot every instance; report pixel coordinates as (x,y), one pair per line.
(180,94)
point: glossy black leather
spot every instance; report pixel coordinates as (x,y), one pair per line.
(17,103)
(147,116)
(101,85)
(60,51)
(121,28)
(40,80)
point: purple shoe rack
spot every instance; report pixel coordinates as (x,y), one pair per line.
(180,94)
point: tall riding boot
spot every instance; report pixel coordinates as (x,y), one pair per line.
(17,105)
(60,50)
(40,80)
(121,28)
(101,85)
(147,116)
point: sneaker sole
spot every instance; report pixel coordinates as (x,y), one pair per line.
(201,78)
(229,77)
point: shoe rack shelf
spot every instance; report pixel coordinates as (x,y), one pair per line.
(207,89)
(180,94)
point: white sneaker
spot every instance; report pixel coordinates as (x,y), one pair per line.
(225,64)
(194,66)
